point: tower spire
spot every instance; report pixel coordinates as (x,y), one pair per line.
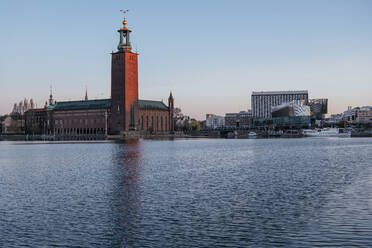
(51,96)
(86,93)
(124,44)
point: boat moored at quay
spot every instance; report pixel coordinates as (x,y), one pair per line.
(327,132)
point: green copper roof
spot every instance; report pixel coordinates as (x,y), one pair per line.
(155,105)
(77,105)
(104,103)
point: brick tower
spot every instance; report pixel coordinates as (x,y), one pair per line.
(124,84)
(171,112)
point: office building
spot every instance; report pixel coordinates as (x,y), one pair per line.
(262,102)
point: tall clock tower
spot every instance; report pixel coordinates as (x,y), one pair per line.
(124,84)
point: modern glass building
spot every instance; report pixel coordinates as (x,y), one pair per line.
(263,101)
(318,107)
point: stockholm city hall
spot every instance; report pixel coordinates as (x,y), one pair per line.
(123,112)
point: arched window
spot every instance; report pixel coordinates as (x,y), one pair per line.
(157,123)
(161,124)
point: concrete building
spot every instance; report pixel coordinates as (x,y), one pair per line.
(243,119)
(263,101)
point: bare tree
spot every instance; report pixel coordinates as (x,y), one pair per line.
(15,108)
(32,105)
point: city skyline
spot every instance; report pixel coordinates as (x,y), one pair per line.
(211,56)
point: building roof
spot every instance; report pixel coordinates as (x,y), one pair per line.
(104,103)
(81,105)
(152,105)
(290,92)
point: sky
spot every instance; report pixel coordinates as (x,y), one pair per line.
(210,54)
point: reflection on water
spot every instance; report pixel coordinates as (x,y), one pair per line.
(126,205)
(187,193)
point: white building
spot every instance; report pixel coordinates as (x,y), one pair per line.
(215,121)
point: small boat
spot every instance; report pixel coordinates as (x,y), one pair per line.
(252,134)
(326,132)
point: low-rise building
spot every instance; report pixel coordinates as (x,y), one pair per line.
(36,121)
(243,119)
(364,115)
(358,115)
(215,121)
(13,124)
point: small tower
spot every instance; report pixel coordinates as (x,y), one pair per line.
(171,112)
(124,43)
(51,102)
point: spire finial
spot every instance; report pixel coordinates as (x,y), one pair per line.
(51,96)
(125,19)
(86,93)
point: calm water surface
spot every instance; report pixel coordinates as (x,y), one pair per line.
(187,193)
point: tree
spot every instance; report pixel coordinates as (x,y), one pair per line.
(177,113)
(195,125)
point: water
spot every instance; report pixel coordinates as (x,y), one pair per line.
(187,193)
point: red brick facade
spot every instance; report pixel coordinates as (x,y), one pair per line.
(124,90)
(154,120)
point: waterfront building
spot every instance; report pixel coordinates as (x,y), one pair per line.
(291,114)
(291,109)
(215,122)
(318,108)
(243,119)
(360,115)
(333,119)
(263,101)
(208,115)
(124,111)
(12,124)
(364,115)
(35,121)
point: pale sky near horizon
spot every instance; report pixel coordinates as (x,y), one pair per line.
(211,54)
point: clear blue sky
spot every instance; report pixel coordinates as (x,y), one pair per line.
(211,54)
